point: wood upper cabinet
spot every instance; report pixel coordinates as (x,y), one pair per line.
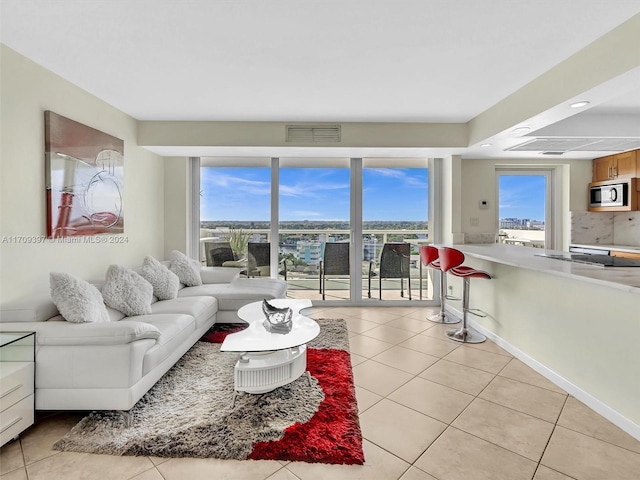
(602,168)
(617,253)
(626,164)
(621,165)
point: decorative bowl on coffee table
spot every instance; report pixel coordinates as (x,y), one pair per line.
(278,320)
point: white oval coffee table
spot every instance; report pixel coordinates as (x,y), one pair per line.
(270,360)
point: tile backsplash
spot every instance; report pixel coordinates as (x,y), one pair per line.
(479,238)
(626,228)
(606,228)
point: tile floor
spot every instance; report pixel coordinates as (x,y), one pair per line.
(429,409)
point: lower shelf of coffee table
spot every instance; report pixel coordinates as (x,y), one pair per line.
(261,372)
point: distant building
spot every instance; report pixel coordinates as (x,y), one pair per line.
(521,223)
(309,252)
(369,249)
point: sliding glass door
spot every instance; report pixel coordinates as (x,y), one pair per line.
(315,212)
(394,225)
(326,221)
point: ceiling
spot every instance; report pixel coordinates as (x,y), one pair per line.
(433,61)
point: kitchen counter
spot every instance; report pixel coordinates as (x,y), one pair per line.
(622,278)
(576,324)
(618,248)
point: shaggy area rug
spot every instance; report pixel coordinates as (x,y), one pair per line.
(189,413)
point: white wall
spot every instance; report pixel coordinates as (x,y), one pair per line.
(177,205)
(450,203)
(27,90)
(479,182)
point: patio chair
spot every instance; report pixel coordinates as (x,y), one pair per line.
(258,259)
(394,263)
(335,261)
(220,254)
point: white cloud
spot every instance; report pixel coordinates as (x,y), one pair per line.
(238,184)
(403,176)
(310,189)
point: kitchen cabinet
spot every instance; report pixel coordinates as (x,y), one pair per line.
(621,165)
(17,383)
(617,253)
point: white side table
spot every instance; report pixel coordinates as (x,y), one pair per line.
(17,383)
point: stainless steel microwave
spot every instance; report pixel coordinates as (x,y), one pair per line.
(613,195)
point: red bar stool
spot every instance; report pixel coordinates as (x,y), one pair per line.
(451,261)
(429,258)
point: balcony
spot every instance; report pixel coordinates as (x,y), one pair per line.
(522,237)
(302,249)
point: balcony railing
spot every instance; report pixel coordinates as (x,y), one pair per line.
(303,276)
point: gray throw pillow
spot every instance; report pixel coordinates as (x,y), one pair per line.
(187,269)
(77,300)
(127,291)
(165,283)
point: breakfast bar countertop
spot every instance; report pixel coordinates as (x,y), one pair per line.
(622,278)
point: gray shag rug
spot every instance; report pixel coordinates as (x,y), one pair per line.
(188,413)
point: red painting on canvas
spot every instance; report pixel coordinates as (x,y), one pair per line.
(84,179)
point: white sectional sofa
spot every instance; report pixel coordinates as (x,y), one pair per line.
(111,365)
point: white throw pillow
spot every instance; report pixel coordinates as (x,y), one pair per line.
(77,300)
(187,269)
(127,291)
(165,283)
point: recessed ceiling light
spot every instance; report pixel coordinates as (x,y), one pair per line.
(581,104)
(521,130)
(485,145)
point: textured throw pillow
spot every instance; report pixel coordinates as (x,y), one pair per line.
(127,291)
(187,269)
(77,301)
(165,283)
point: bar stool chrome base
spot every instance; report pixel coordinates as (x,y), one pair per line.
(466,335)
(443,318)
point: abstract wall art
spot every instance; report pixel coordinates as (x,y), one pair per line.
(84,179)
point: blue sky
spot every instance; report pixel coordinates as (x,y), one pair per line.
(522,196)
(312,194)
(323,194)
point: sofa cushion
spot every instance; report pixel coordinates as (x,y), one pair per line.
(77,300)
(165,283)
(170,325)
(201,308)
(219,274)
(241,291)
(127,291)
(187,269)
(175,329)
(115,315)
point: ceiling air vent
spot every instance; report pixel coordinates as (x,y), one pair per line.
(313,133)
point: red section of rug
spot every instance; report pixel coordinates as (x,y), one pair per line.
(219,331)
(333,434)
